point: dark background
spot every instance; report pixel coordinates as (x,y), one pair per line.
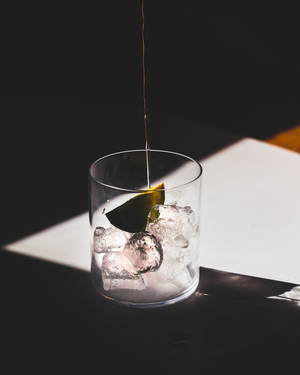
(71,92)
(71,88)
(232,63)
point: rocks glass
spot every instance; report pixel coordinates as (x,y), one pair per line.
(145,242)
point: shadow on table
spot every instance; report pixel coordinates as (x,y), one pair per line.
(53,320)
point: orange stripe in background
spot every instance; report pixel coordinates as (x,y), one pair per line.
(289,139)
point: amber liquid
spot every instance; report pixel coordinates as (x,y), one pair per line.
(146,114)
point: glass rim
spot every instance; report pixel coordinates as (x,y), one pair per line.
(144,150)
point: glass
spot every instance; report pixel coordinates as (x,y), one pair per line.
(157,264)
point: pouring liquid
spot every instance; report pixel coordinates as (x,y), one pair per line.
(146,114)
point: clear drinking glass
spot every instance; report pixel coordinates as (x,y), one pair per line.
(145,243)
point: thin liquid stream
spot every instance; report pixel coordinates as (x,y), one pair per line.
(146,115)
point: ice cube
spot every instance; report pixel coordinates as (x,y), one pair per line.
(169,277)
(118,265)
(109,239)
(172,225)
(180,241)
(144,251)
(165,273)
(119,273)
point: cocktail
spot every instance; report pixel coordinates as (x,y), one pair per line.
(145,240)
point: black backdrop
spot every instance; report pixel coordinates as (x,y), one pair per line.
(232,63)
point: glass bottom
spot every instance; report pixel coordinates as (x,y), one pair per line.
(184,295)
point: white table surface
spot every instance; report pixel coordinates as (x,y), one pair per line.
(250,220)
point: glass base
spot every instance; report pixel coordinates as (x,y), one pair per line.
(187,293)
